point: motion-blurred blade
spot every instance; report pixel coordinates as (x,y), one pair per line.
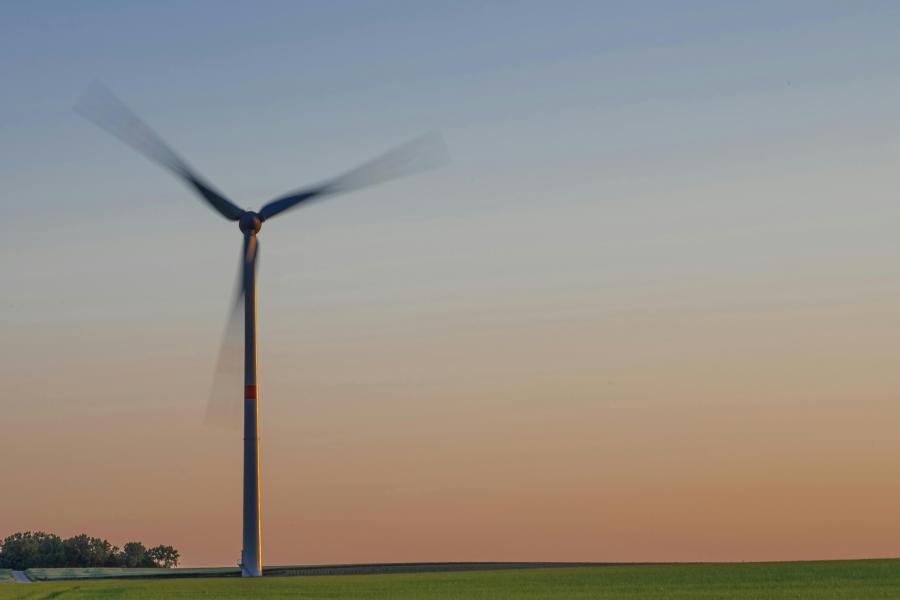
(225,405)
(223,408)
(423,153)
(102,108)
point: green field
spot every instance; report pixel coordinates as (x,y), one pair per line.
(869,579)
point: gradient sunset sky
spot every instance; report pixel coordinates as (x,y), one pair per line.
(650,312)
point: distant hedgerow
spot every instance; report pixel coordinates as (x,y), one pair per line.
(47,550)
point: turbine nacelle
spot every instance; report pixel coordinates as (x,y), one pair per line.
(250,222)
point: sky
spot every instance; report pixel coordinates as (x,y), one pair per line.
(649,312)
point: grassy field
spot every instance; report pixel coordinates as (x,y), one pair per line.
(870,579)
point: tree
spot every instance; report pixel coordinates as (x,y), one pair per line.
(84,551)
(18,550)
(164,556)
(103,554)
(50,552)
(38,549)
(25,550)
(134,554)
(77,551)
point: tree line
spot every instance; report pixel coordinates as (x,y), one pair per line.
(21,551)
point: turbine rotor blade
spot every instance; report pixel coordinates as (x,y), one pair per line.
(420,154)
(105,110)
(224,408)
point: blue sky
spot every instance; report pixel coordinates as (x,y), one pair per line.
(566,113)
(316,86)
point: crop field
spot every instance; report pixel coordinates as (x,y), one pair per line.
(870,579)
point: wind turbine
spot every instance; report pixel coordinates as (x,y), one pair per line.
(105,110)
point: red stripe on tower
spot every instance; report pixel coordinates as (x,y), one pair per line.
(249,392)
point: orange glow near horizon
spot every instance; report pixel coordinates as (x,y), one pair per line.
(716,436)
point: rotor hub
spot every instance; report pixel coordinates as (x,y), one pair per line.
(250,222)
